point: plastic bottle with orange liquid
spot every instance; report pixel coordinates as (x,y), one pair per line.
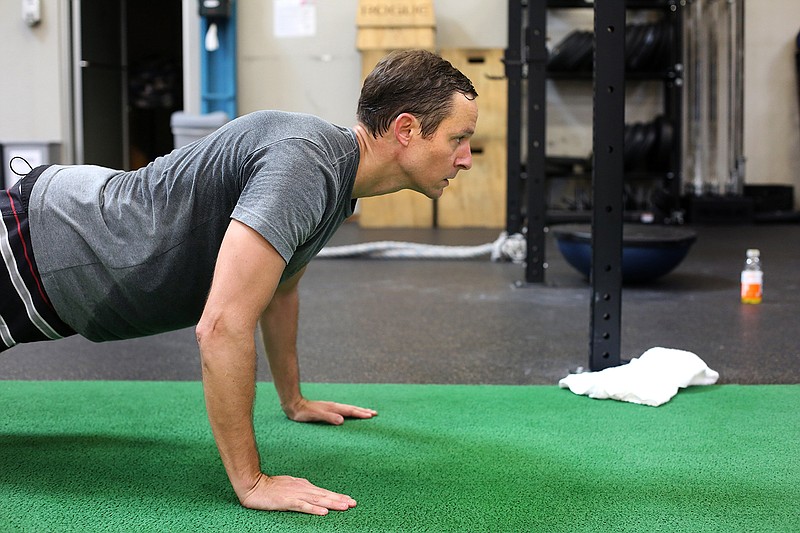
(752,278)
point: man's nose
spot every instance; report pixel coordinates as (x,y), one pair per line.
(464,160)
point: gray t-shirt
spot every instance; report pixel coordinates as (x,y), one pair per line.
(128,254)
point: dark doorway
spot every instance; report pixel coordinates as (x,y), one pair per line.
(131,79)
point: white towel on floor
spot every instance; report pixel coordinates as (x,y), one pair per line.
(652,379)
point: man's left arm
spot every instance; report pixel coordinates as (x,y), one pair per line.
(279,332)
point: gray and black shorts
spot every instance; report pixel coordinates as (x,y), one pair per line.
(26,314)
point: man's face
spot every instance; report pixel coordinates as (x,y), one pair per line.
(437,159)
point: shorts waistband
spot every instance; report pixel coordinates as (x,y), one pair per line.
(26,313)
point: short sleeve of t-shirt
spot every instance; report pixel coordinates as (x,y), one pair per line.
(291,185)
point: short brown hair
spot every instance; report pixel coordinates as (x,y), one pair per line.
(411,81)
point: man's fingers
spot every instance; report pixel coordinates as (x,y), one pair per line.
(365,413)
(316,500)
(334,419)
(320,505)
(330,412)
(307,508)
(355,412)
(337,412)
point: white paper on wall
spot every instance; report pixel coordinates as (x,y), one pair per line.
(294,18)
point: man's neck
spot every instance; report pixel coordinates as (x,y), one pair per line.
(378,172)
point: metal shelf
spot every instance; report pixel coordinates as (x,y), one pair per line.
(588,75)
(630,4)
(627,176)
(528,18)
(526,59)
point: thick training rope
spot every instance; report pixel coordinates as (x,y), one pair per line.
(505,248)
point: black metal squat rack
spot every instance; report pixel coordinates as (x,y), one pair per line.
(529,59)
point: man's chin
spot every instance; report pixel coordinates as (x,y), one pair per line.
(433,191)
(435,194)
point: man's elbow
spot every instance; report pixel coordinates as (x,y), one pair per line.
(203,332)
(214,335)
(218,335)
(206,333)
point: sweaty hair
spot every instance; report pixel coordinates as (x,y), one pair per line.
(411,81)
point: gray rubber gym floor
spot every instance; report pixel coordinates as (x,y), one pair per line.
(449,321)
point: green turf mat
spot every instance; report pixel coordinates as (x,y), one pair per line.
(139,456)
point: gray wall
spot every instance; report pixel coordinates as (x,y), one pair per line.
(772,117)
(34,104)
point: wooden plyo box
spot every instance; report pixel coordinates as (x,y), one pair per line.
(402,209)
(396,38)
(370,58)
(377,13)
(477,197)
(486,71)
(395,25)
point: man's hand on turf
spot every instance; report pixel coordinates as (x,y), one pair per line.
(329,412)
(285,493)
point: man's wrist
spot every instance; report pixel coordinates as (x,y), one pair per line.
(245,486)
(292,405)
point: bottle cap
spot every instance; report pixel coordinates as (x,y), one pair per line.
(753,252)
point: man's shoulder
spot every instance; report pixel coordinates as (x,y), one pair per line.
(289,124)
(277,117)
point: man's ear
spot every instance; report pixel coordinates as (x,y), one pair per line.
(406,126)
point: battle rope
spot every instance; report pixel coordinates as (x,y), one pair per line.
(505,248)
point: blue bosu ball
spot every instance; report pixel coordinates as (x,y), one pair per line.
(648,251)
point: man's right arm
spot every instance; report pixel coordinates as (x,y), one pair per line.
(245,277)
